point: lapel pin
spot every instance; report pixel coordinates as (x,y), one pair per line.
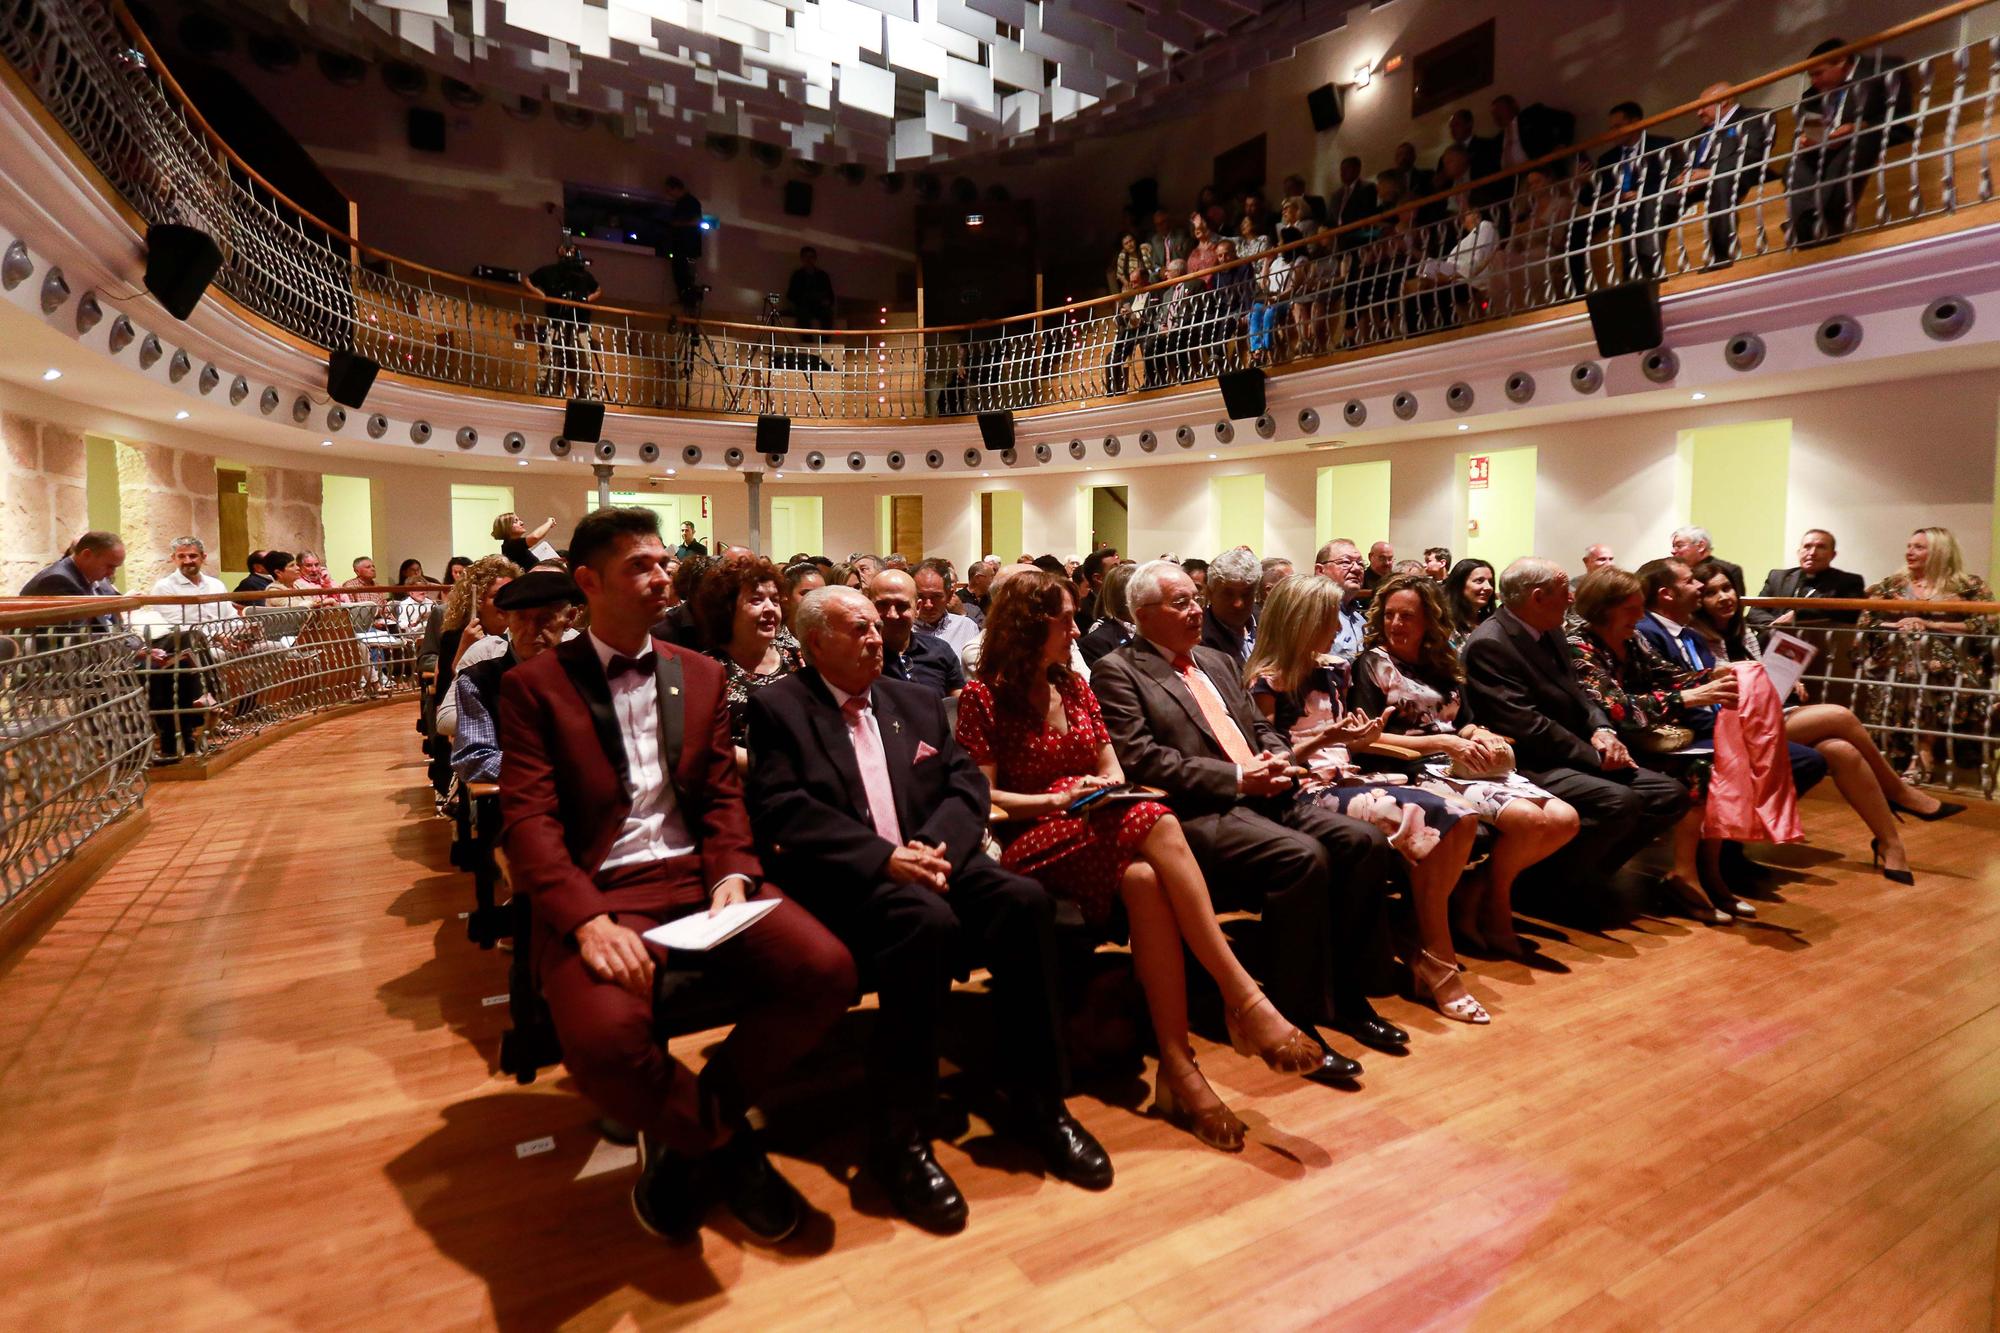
(673,689)
(895,726)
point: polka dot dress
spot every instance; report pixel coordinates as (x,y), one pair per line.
(1081,857)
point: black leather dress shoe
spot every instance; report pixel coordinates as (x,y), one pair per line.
(668,1198)
(762,1200)
(917,1185)
(1071,1153)
(1377,1032)
(1335,1068)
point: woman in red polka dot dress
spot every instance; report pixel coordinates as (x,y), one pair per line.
(1033,727)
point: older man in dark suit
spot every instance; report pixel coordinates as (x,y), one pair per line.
(1520,681)
(620,811)
(1725,162)
(1181,720)
(868,808)
(85,571)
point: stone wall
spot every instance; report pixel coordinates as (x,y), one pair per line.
(285,510)
(42,496)
(163,493)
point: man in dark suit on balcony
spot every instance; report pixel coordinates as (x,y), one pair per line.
(1725,162)
(868,808)
(1626,194)
(1842,129)
(1813,576)
(620,810)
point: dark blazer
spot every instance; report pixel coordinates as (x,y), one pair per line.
(1795,582)
(1158,732)
(565,786)
(1352,206)
(1217,636)
(1516,689)
(1734,154)
(62,579)
(1107,636)
(1653,632)
(1658,159)
(811,816)
(1543,129)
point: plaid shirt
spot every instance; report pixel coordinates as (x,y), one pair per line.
(475,751)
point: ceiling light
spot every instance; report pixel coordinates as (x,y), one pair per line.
(986,474)
(1215,455)
(52,374)
(326,444)
(181,415)
(1463,426)
(777,476)
(1363,73)
(671,471)
(1697,395)
(520,462)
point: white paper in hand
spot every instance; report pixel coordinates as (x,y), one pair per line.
(1785,660)
(704,931)
(543,551)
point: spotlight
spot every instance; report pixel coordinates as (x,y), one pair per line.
(51,374)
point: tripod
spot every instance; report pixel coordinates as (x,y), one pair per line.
(698,348)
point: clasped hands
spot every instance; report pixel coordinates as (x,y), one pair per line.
(918,862)
(618,954)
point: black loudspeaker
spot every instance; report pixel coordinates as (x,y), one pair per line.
(426,128)
(1242,392)
(996,429)
(180,263)
(349,377)
(583,422)
(1324,104)
(798,199)
(774,435)
(1626,318)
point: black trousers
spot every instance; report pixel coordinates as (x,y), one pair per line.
(1620,811)
(1323,878)
(911,942)
(1823,182)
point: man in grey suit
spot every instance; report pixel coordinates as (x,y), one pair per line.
(1181,720)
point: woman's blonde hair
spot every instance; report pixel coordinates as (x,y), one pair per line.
(472,586)
(1298,615)
(503,526)
(1946,561)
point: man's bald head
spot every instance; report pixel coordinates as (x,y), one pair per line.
(894,594)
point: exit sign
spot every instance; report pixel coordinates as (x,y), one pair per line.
(1479,472)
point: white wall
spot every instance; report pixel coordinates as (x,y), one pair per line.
(1870,462)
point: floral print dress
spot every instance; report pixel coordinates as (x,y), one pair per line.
(1927,656)
(1642,692)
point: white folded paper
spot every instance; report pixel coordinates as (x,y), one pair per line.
(1785,659)
(704,931)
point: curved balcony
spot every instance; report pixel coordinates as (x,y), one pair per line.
(1920,158)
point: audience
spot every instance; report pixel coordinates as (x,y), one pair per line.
(1229,619)
(1916,647)
(920,659)
(1114,628)
(1437,562)
(1692,545)
(517,543)
(1341,561)
(1470,595)
(1381,564)
(740,611)
(535,612)
(1813,576)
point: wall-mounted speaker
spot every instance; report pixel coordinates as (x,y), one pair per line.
(1225,432)
(1111,446)
(1743,352)
(1838,336)
(180,263)
(1459,397)
(208,379)
(1010,456)
(1148,442)
(178,368)
(1184,436)
(1520,387)
(559,447)
(972,457)
(1323,105)
(815,461)
(121,335)
(336,418)
(1267,426)
(150,351)
(239,389)
(1404,405)
(1076,449)
(302,407)
(349,377)
(798,199)
(1947,317)
(1043,453)
(855,461)
(267,403)
(378,425)
(934,459)
(774,435)
(895,460)
(1660,365)
(1625,318)
(1308,421)
(996,429)
(1586,377)
(583,420)
(1242,392)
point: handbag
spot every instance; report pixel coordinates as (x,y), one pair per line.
(1661,738)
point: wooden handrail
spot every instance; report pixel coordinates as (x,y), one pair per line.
(1895,31)
(1884,606)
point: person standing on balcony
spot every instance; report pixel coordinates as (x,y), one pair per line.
(1625,196)
(811,292)
(684,227)
(1167,242)
(1725,164)
(567,373)
(1841,131)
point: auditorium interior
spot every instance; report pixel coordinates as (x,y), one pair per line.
(1393,341)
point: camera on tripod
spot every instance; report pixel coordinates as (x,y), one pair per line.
(772,300)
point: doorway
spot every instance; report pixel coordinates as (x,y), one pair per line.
(1000,526)
(1496,496)
(899,526)
(1103,518)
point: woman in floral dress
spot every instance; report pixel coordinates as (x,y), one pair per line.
(1927,649)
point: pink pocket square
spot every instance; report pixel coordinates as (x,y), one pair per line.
(925,750)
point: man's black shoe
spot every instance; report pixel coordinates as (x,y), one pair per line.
(762,1200)
(1377,1032)
(1067,1147)
(1335,1068)
(917,1185)
(668,1198)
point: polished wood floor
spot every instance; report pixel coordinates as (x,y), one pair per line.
(246,1082)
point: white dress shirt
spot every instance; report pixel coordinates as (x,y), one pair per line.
(654,828)
(955,630)
(177,584)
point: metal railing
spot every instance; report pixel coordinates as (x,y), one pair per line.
(74,740)
(1926,695)
(1902,140)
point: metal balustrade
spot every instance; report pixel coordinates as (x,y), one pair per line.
(1540,237)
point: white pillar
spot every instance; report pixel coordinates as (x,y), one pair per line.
(755,481)
(602,471)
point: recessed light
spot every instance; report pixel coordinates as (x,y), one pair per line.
(1697,396)
(777,476)
(520,462)
(52,374)
(672,472)
(326,444)
(1215,455)
(1463,426)
(181,415)
(986,474)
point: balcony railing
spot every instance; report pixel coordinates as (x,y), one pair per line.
(1903,139)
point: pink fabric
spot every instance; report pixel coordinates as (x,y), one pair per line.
(1750,795)
(874,765)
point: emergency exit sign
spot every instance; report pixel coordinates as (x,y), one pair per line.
(1479,472)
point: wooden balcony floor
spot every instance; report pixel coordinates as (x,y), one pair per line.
(245,1082)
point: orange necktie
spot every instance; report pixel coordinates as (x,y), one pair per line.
(1220,725)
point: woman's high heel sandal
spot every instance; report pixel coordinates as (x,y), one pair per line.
(1893,876)
(1460,1006)
(1217,1126)
(1296,1054)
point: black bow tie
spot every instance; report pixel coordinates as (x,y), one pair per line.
(620,664)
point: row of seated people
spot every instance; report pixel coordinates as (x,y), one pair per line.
(1397,268)
(641,781)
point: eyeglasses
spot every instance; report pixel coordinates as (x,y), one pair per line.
(1181,603)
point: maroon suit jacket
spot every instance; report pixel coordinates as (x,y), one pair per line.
(564,784)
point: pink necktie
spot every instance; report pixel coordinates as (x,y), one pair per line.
(874,769)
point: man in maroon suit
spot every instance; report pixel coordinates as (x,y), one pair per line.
(621,810)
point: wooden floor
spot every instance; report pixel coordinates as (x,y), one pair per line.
(246,1082)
